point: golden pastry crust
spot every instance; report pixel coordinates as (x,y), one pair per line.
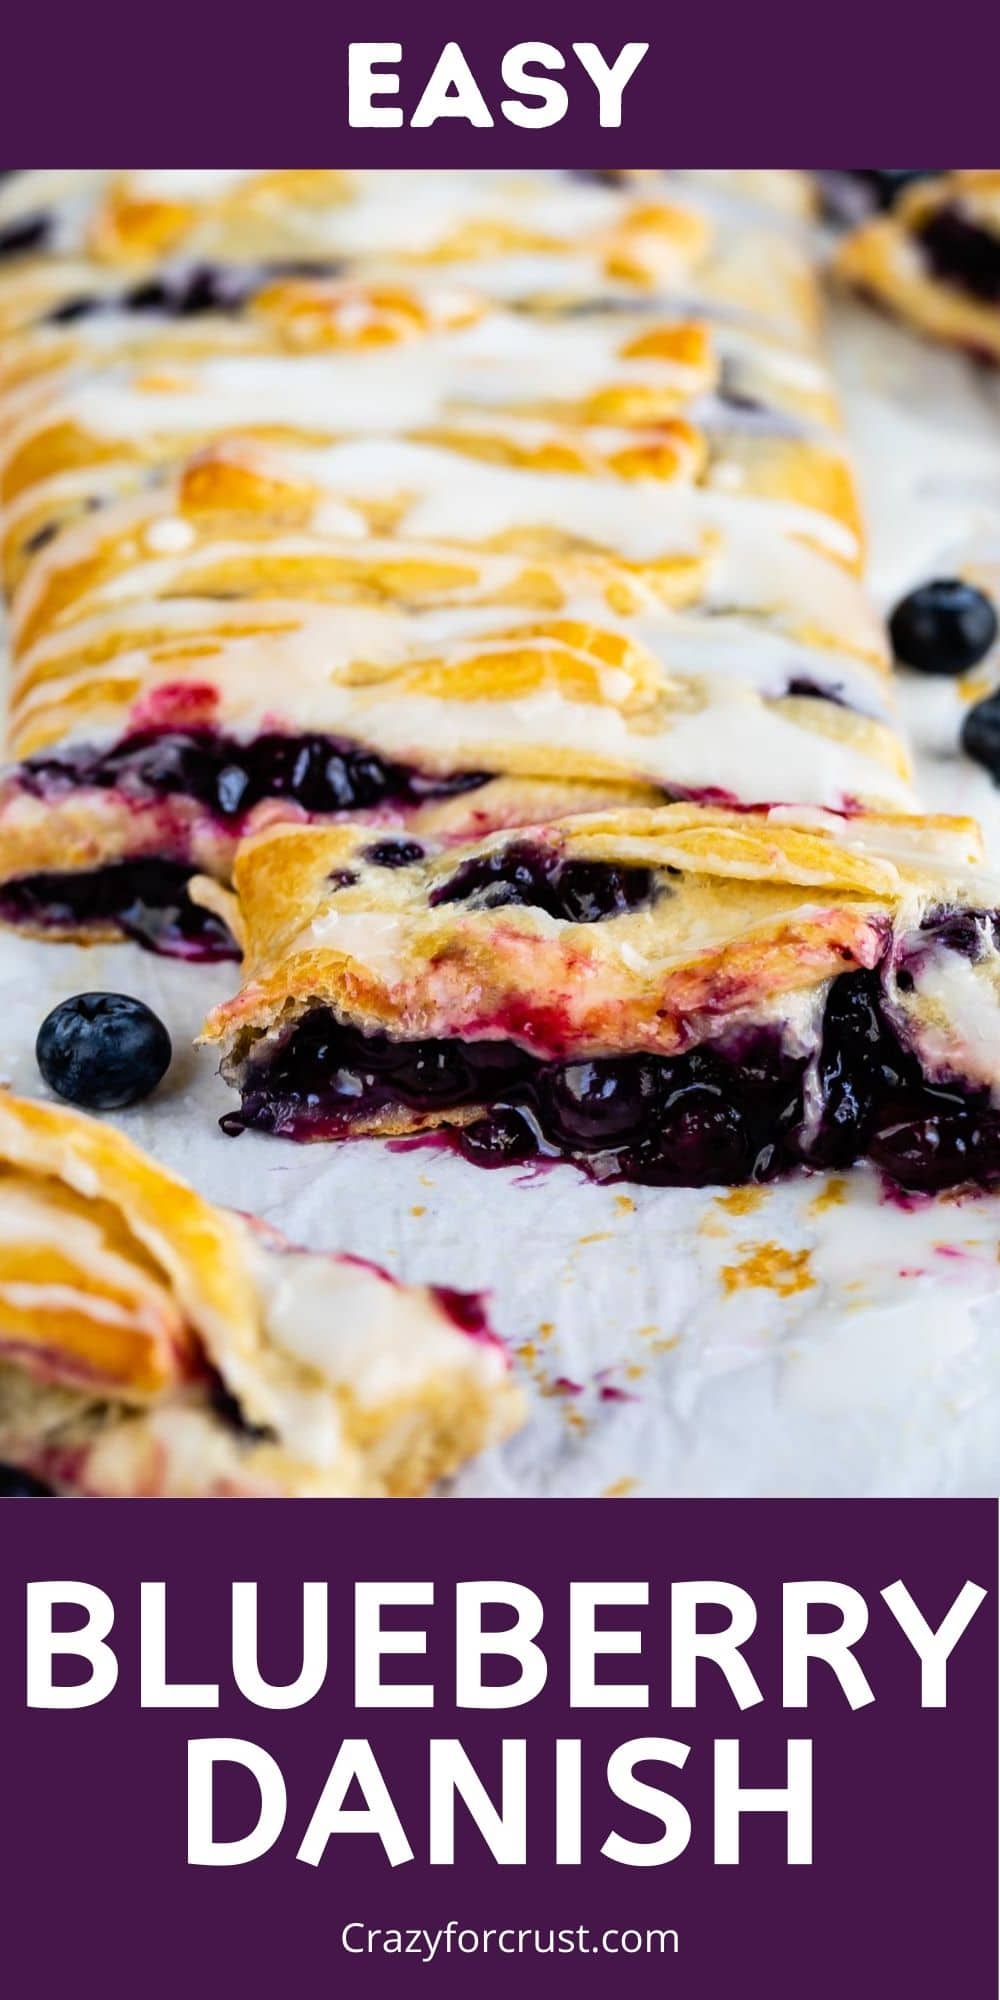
(124,1297)
(888,259)
(540,486)
(747,908)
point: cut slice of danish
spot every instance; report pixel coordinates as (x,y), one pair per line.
(152,735)
(934,259)
(154,1345)
(680,996)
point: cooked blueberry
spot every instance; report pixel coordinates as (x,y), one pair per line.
(962,252)
(969,933)
(18,1485)
(701,1141)
(73,309)
(848,1069)
(102,1050)
(600,1103)
(432,1073)
(229,777)
(886,183)
(981,734)
(590,891)
(945,1142)
(29,232)
(227,1408)
(943,627)
(393,853)
(146,900)
(518,873)
(802,685)
(579,892)
(503,1137)
(188,290)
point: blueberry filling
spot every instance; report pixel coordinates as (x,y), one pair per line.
(189,291)
(801,685)
(579,892)
(743,1108)
(318,773)
(961,252)
(29,232)
(146,900)
(224,1405)
(18,1485)
(393,854)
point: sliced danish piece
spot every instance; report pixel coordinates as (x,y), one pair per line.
(681,996)
(153,735)
(934,259)
(154,1345)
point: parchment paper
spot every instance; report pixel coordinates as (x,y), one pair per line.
(807,1339)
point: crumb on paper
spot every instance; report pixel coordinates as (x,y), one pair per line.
(741,1200)
(418,1208)
(624,1204)
(830,1196)
(770,1267)
(597,1236)
(619,1488)
(712,1224)
(546,1328)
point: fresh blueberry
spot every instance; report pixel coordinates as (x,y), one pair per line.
(943,627)
(981,734)
(102,1050)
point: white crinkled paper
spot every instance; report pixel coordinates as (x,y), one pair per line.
(795,1340)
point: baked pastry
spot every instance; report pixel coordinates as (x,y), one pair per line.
(934,259)
(152,1345)
(679,996)
(403,542)
(155,725)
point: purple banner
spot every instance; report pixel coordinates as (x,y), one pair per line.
(894,1793)
(716,87)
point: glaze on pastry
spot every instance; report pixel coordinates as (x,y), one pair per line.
(453,510)
(152,1345)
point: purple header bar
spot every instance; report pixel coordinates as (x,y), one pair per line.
(719,86)
(901,1893)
